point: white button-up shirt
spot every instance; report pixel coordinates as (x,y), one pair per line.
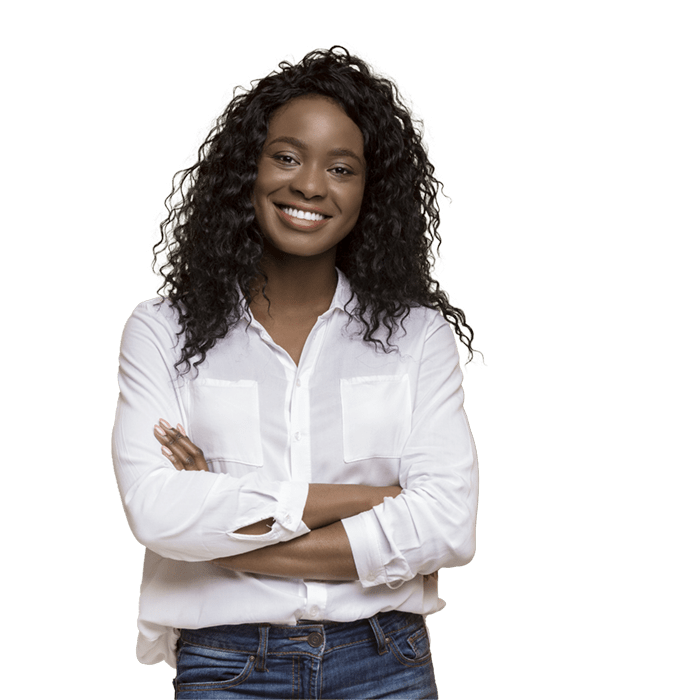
(348,414)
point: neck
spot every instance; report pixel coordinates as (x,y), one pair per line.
(296,283)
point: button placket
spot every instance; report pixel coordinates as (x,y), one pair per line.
(316,599)
(299,428)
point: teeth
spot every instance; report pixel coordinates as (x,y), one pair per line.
(306,215)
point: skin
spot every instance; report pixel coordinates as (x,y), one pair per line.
(323,554)
(312,160)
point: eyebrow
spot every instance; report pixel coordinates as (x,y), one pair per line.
(303,145)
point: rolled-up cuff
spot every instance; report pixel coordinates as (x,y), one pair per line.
(290,508)
(366,549)
(287,514)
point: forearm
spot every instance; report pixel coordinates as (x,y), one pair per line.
(323,554)
(330,503)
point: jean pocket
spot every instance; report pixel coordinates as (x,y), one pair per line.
(376,416)
(225,420)
(411,645)
(201,668)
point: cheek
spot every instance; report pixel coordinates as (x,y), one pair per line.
(269,180)
(266,180)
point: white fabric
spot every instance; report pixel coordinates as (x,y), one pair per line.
(349,413)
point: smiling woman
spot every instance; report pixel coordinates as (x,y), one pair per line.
(311,178)
(322,469)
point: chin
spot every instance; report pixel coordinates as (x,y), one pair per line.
(277,249)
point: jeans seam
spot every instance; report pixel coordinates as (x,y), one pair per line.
(404,661)
(249,652)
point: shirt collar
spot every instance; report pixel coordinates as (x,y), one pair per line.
(343,292)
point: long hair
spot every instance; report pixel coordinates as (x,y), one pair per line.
(213,244)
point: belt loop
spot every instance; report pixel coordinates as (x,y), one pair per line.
(378,634)
(261,655)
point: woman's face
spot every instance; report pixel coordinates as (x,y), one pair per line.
(311,177)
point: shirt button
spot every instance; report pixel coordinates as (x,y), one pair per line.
(297,436)
(371,577)
(298,382)
(314,611)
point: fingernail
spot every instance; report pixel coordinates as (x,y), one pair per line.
(164,423)
(160,430)
(181,429)
(166,451)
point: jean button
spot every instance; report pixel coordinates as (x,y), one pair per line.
(315,639)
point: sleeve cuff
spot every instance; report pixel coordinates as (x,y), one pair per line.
(290,502)
(367,551)
(290,508)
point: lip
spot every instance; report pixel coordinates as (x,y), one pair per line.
(297,224)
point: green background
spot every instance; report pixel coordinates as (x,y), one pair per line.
(566,134)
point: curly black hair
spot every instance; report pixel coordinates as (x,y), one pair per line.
(213,244)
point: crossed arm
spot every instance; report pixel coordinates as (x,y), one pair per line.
(322,554)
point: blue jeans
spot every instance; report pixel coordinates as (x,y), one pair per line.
(385,656)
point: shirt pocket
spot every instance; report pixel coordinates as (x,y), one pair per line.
(225,420)
(376,416)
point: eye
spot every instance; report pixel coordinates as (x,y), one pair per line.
(340,170)
(284,159)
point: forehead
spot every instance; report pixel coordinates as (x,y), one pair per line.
(316,119)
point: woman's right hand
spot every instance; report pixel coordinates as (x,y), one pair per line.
(178,448)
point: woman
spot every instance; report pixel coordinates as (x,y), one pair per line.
(322,469)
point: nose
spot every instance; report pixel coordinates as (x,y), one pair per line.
(310,181)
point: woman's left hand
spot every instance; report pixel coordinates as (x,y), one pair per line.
(178,448)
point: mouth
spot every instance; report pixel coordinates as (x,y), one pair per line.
(304,219)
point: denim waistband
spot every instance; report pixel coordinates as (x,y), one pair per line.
(318,635)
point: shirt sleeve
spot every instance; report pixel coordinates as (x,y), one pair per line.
(432,523)
(183,515)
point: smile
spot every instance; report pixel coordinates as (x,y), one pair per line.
(299,214)
(300,218)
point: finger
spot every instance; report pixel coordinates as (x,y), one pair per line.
(193,457)
(167,435)
(167,430)
(180,447)
(180,458)
(172,434)
(169,447)
(190,456)
(169,455)
(169,438)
